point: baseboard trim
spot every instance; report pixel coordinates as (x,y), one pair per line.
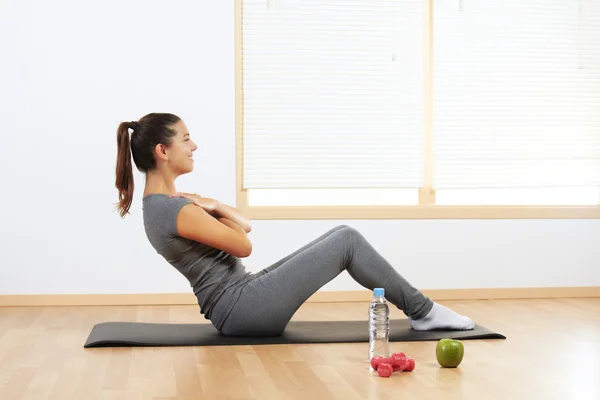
(470,294)
(149,299)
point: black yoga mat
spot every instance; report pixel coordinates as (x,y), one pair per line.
(133,334)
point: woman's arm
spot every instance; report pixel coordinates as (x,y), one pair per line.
(218,209)
(234,215)
(231,225)
(195,223)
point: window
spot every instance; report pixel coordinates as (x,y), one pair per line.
(418,108)
(517,102)
(333,102)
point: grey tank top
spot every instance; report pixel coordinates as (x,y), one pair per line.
(210,271)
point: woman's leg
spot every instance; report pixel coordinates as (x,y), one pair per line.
(221,314)
(301,249)
(268,302)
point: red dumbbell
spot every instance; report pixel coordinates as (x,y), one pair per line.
(396,360)
(385,370)
(403,363)
(375,361)
(411,365)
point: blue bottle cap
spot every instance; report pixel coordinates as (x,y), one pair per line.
(379,291)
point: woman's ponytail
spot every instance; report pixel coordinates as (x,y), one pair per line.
(124,178)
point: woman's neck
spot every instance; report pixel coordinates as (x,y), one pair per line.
(159,183)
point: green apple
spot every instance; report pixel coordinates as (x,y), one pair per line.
(449,353)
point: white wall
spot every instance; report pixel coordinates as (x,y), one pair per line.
(70,71)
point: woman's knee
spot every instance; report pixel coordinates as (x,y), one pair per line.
(349,232)
(338,228)
(346,229)
(347,239)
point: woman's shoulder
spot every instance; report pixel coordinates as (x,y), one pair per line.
(160,202)
(160,211)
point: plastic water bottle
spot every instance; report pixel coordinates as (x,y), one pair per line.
(379,325)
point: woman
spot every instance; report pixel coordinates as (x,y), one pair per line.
(205,239)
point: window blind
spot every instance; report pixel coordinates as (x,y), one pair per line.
(516,93)
(332,93)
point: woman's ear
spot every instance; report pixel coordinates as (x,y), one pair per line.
(161,152)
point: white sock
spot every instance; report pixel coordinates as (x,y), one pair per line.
(441,317)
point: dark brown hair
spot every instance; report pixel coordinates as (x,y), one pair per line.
(149,131)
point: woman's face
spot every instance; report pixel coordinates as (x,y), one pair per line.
(180,151)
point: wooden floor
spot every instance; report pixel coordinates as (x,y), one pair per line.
(552,351)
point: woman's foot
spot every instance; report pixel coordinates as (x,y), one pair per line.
(441,317)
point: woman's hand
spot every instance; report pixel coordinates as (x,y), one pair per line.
(208,204)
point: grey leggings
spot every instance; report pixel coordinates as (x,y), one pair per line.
(268,302)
